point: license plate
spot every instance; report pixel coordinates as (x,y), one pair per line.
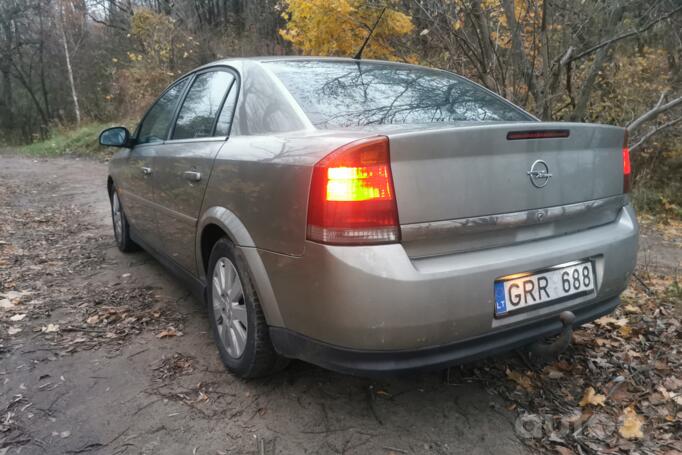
(521,290)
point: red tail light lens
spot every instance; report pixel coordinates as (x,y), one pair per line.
(352,200)
(627,178)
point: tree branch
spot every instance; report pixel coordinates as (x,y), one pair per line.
(654,131)
(624,35)
(653,113)
(105,23)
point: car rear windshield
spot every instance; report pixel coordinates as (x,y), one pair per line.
(347,94)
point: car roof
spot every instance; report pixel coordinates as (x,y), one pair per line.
(275,58)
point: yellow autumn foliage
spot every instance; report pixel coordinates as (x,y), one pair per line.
(339,27)
(162,52)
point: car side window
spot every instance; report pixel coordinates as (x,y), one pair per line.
(154,127)
(202,104)
(222,127)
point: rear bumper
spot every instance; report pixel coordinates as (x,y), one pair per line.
(376,299)
(373,363)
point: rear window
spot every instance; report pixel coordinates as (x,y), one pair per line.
(347,94)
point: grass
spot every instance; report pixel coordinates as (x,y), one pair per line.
(83,141)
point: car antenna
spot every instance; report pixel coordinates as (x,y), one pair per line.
(358,56)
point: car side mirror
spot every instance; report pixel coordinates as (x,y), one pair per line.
(117,136)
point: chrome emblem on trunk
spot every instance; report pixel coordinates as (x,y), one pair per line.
(539,174)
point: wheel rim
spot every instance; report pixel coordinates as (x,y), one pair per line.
(229,308)
(118,217)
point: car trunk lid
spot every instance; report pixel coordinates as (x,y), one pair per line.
(468,174)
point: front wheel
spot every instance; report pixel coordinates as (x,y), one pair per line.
(121,227)
(236,317)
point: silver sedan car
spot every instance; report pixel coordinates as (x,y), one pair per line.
(372,217)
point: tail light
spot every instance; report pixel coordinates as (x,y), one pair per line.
(352,200)
(627,178)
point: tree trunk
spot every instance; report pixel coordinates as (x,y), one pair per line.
(599,60)
(69,70)
(5,68)
(520,60)
(545,102)
(8,116)
(43,82)
(488,60)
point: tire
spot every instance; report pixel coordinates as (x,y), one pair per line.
(120,225)
(236,317)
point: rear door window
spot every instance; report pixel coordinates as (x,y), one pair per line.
(155,125)
(224,124)
(197,116)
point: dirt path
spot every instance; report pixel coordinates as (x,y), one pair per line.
(88,372)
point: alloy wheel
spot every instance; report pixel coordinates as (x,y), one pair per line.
(229,307)
(118,217)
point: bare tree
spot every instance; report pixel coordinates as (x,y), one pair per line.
(69,69)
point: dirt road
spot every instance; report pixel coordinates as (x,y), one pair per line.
(89,373)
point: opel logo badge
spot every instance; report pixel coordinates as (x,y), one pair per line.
(539,174)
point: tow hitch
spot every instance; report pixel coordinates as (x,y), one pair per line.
(540,349)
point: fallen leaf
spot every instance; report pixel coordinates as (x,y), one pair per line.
(661,365)
(581,338)
(605,321)
(11,299)
(561,450)
(602,342)
(625,331)
(92,320)
(552,372)
(169,332)
(631,309)
(521,379)
(634,354)
(17,317)
(631,427)
(672,383)
(620,394)
(622,322)
(50,328)
(14,330)
(593,398)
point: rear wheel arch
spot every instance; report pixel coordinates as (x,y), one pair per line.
(210,234)
(219,222)
(110,187)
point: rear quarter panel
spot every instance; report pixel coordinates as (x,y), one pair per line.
(264,181)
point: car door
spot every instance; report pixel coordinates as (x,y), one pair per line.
(137,176)
(183,164)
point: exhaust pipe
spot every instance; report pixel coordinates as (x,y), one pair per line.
(540,349)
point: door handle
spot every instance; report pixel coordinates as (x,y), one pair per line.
(146,171)
(192,176)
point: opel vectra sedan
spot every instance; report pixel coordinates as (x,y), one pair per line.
(372,217)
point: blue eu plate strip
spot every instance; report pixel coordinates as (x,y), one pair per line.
(500,303)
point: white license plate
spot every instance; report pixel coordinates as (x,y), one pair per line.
(515,292)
